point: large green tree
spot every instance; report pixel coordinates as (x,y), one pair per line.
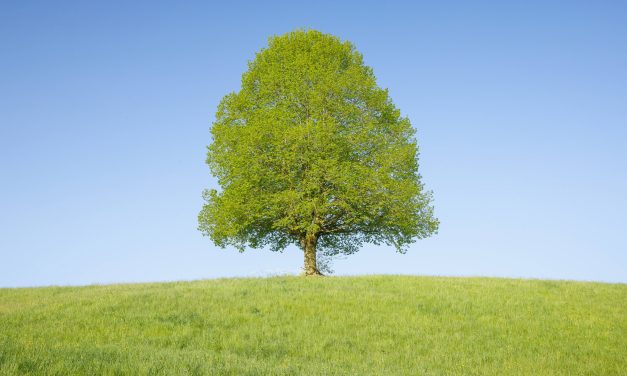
(312,152)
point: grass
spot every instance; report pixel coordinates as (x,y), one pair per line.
(317,326)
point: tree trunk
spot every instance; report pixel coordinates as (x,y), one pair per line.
(308,243)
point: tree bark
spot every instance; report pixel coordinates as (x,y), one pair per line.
(308,243)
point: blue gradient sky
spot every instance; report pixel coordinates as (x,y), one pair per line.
(105,110)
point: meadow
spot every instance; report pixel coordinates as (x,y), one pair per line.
(370,325)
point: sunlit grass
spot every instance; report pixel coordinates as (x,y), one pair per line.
(318,326)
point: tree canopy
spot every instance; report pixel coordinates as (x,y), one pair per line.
(311,152)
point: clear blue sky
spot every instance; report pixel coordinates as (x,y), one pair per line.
(105,109)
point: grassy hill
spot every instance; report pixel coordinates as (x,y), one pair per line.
(318,326)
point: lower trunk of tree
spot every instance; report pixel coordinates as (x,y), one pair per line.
(308,243)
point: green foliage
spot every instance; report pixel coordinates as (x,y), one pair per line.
(321,326)
(311,146)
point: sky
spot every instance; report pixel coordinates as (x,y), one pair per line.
(105,111)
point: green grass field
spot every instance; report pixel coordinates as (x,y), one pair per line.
(317,326)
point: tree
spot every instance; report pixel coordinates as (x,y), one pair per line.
(312,152)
